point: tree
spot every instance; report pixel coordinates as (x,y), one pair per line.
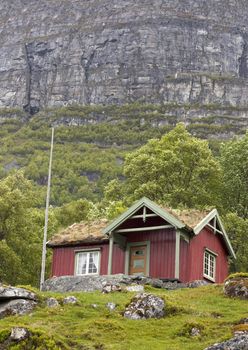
(74,211)
(178,169)
(237,229)
(21,230)
(234,160)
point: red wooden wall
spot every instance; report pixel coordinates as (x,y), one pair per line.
(207,239)
(162,255)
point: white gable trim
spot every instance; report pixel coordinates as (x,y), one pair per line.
(214,214)
(135,207)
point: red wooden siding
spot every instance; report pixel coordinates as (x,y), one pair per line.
(162,251)
(118,265)
(63,262)
(162,255)
(183,262)
(207,239)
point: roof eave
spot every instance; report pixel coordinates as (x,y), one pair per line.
(75,243)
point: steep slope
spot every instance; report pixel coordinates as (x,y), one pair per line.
(57,52)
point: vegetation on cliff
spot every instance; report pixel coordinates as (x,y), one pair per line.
(98,172)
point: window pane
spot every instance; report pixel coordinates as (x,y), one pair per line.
(87,263)
(138,264)
(93,262)
(209,265)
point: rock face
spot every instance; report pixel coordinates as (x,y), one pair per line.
(145,306)
(237,343)
(102,52)
(237,287)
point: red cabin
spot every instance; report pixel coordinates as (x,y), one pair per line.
(149,240)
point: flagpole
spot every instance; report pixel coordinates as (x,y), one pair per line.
(43,260)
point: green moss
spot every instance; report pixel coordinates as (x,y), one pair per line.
(84,327)
(237,275)
(4,335)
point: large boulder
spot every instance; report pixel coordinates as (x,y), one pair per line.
(16,307)
(145,306)
(236,343)
(237,286)
(9,292)
(16,301)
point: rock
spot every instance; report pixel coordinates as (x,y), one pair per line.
(52,302)
(8,292)
(94,306)
(156,283)
(16,307)
(80,283)
(70,300)
(195,332)
(244,321)
(236,343)
(114,283)
(135,288)
(111,306)
(145,306)
(197,283)
(236,287)
(19,333)
(108,288)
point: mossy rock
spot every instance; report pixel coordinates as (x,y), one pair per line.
(237,286)
(237,275)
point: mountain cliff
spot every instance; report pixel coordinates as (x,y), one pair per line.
(110,75)
(60,52)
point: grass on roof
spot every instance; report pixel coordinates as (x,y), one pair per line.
(83,327)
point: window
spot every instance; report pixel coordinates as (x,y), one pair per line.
(209,265)
(87,263)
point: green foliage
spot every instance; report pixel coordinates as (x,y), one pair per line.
(75,211)
(4,334)
(237,229)
(234,160)
(38,340)
(21,230)
(178,170)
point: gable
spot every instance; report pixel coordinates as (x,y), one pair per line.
(142,212)
(213,221)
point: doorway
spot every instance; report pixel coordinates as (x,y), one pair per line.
(138,260)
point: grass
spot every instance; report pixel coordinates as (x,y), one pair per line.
(84,327)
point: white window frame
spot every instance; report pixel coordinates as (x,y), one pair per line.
(87,251)
(208,254)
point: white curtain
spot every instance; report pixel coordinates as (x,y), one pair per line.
(81,263)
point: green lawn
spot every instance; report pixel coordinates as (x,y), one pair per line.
(83,327)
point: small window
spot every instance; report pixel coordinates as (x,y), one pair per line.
(87,263)
(209,265)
